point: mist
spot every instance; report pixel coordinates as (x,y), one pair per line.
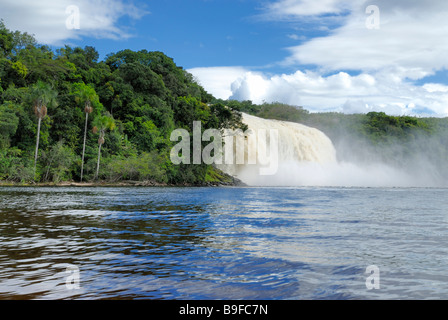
(341,174)
(356,163)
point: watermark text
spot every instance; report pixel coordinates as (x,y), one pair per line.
(227,147)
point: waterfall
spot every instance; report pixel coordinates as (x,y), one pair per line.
(302,156)
(296,142)
(297,147)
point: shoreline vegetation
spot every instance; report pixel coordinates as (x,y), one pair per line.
(224,181)
(237,183)
(67,118)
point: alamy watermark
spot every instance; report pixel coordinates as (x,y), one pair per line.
(72,281)
(373,21)
(228,147)
(73,20)
(373,280)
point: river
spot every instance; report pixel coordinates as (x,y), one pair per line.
(284,243)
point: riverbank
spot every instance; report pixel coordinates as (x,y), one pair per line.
(233,182)
(82,184)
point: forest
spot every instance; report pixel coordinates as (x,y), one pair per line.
(67,116)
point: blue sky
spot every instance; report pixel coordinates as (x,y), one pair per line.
(321,54)
(204,33)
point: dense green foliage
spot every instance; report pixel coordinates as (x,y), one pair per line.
(124,108)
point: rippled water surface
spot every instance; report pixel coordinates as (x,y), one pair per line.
(223,243)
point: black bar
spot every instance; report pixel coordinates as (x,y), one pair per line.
(215,309)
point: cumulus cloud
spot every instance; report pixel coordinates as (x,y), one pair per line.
(342,92)
(47,19)
(218,80)
(339,92)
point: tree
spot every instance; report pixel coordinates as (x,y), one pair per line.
(9,123)
(22,41)
(43,96)
(6,40)
(59,162)
(102,123)
(86,95)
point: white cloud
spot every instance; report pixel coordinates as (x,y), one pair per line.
(293,36)
(218,80)
(338,92)
(435,87)
(300,8)
(46,19)
(408,42)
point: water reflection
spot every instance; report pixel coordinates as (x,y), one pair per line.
(221,243)
(103,231)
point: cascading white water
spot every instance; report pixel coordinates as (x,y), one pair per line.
(306,157)
(296,144)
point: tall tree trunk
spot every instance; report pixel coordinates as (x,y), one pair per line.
(98,163)
(84,146)
(37,145)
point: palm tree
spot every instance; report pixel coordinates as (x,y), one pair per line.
(43,96)
(88,109)
(85,95)
(102,123)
